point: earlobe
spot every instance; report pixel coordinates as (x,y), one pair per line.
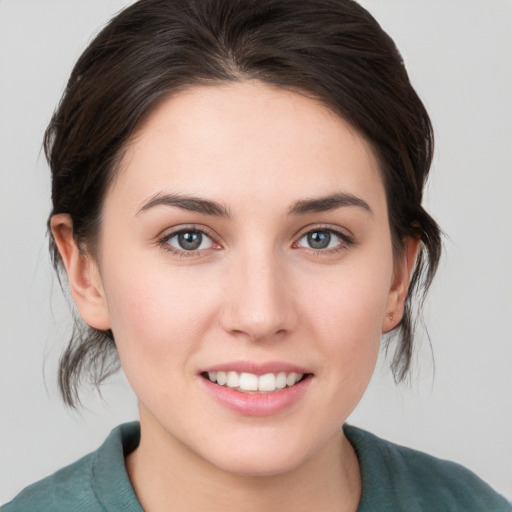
(83,274)
(400,285)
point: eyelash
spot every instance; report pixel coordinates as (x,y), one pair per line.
(345,243)
(164,242)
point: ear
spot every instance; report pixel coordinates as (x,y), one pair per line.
(400,285)
(83,274)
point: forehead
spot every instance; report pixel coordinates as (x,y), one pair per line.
(243,141)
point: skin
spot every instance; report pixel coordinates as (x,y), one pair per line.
(255,291)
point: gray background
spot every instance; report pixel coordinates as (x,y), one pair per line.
(458,53)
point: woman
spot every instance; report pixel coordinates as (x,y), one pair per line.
(237,196)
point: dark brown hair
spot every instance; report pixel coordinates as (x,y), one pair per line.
(332,50)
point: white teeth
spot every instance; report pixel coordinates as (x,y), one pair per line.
(233,380)
(281,380)
(267,382)
(291,379)
(251,382)
(248,382)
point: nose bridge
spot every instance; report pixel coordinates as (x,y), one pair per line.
(258,302)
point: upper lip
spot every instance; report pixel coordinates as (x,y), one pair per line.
(256,368)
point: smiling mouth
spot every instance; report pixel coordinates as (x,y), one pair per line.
(252,383)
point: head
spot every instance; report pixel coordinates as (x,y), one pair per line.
(332,53)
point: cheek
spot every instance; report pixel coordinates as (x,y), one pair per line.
(158,319)
(346,316)
(354,301)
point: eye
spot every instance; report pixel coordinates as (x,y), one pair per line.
(188,240)
(323,239)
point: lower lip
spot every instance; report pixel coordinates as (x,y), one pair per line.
(257,404)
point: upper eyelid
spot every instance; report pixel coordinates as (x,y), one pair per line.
(343,232)
(170,232)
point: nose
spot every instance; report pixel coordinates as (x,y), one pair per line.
(258,299)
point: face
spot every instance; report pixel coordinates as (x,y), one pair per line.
(246,239)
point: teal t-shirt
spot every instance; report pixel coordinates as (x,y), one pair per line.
(394,479)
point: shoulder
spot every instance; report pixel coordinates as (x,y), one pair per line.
(61,491)
(91,484)
(408,479)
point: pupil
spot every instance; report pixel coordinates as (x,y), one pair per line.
(319,239)
(190,240)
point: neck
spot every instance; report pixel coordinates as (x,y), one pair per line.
(166,475)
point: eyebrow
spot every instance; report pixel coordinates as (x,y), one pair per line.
(190,203)
(301,207)
(327,203)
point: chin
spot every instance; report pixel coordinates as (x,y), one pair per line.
(261,455)
(258,467)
